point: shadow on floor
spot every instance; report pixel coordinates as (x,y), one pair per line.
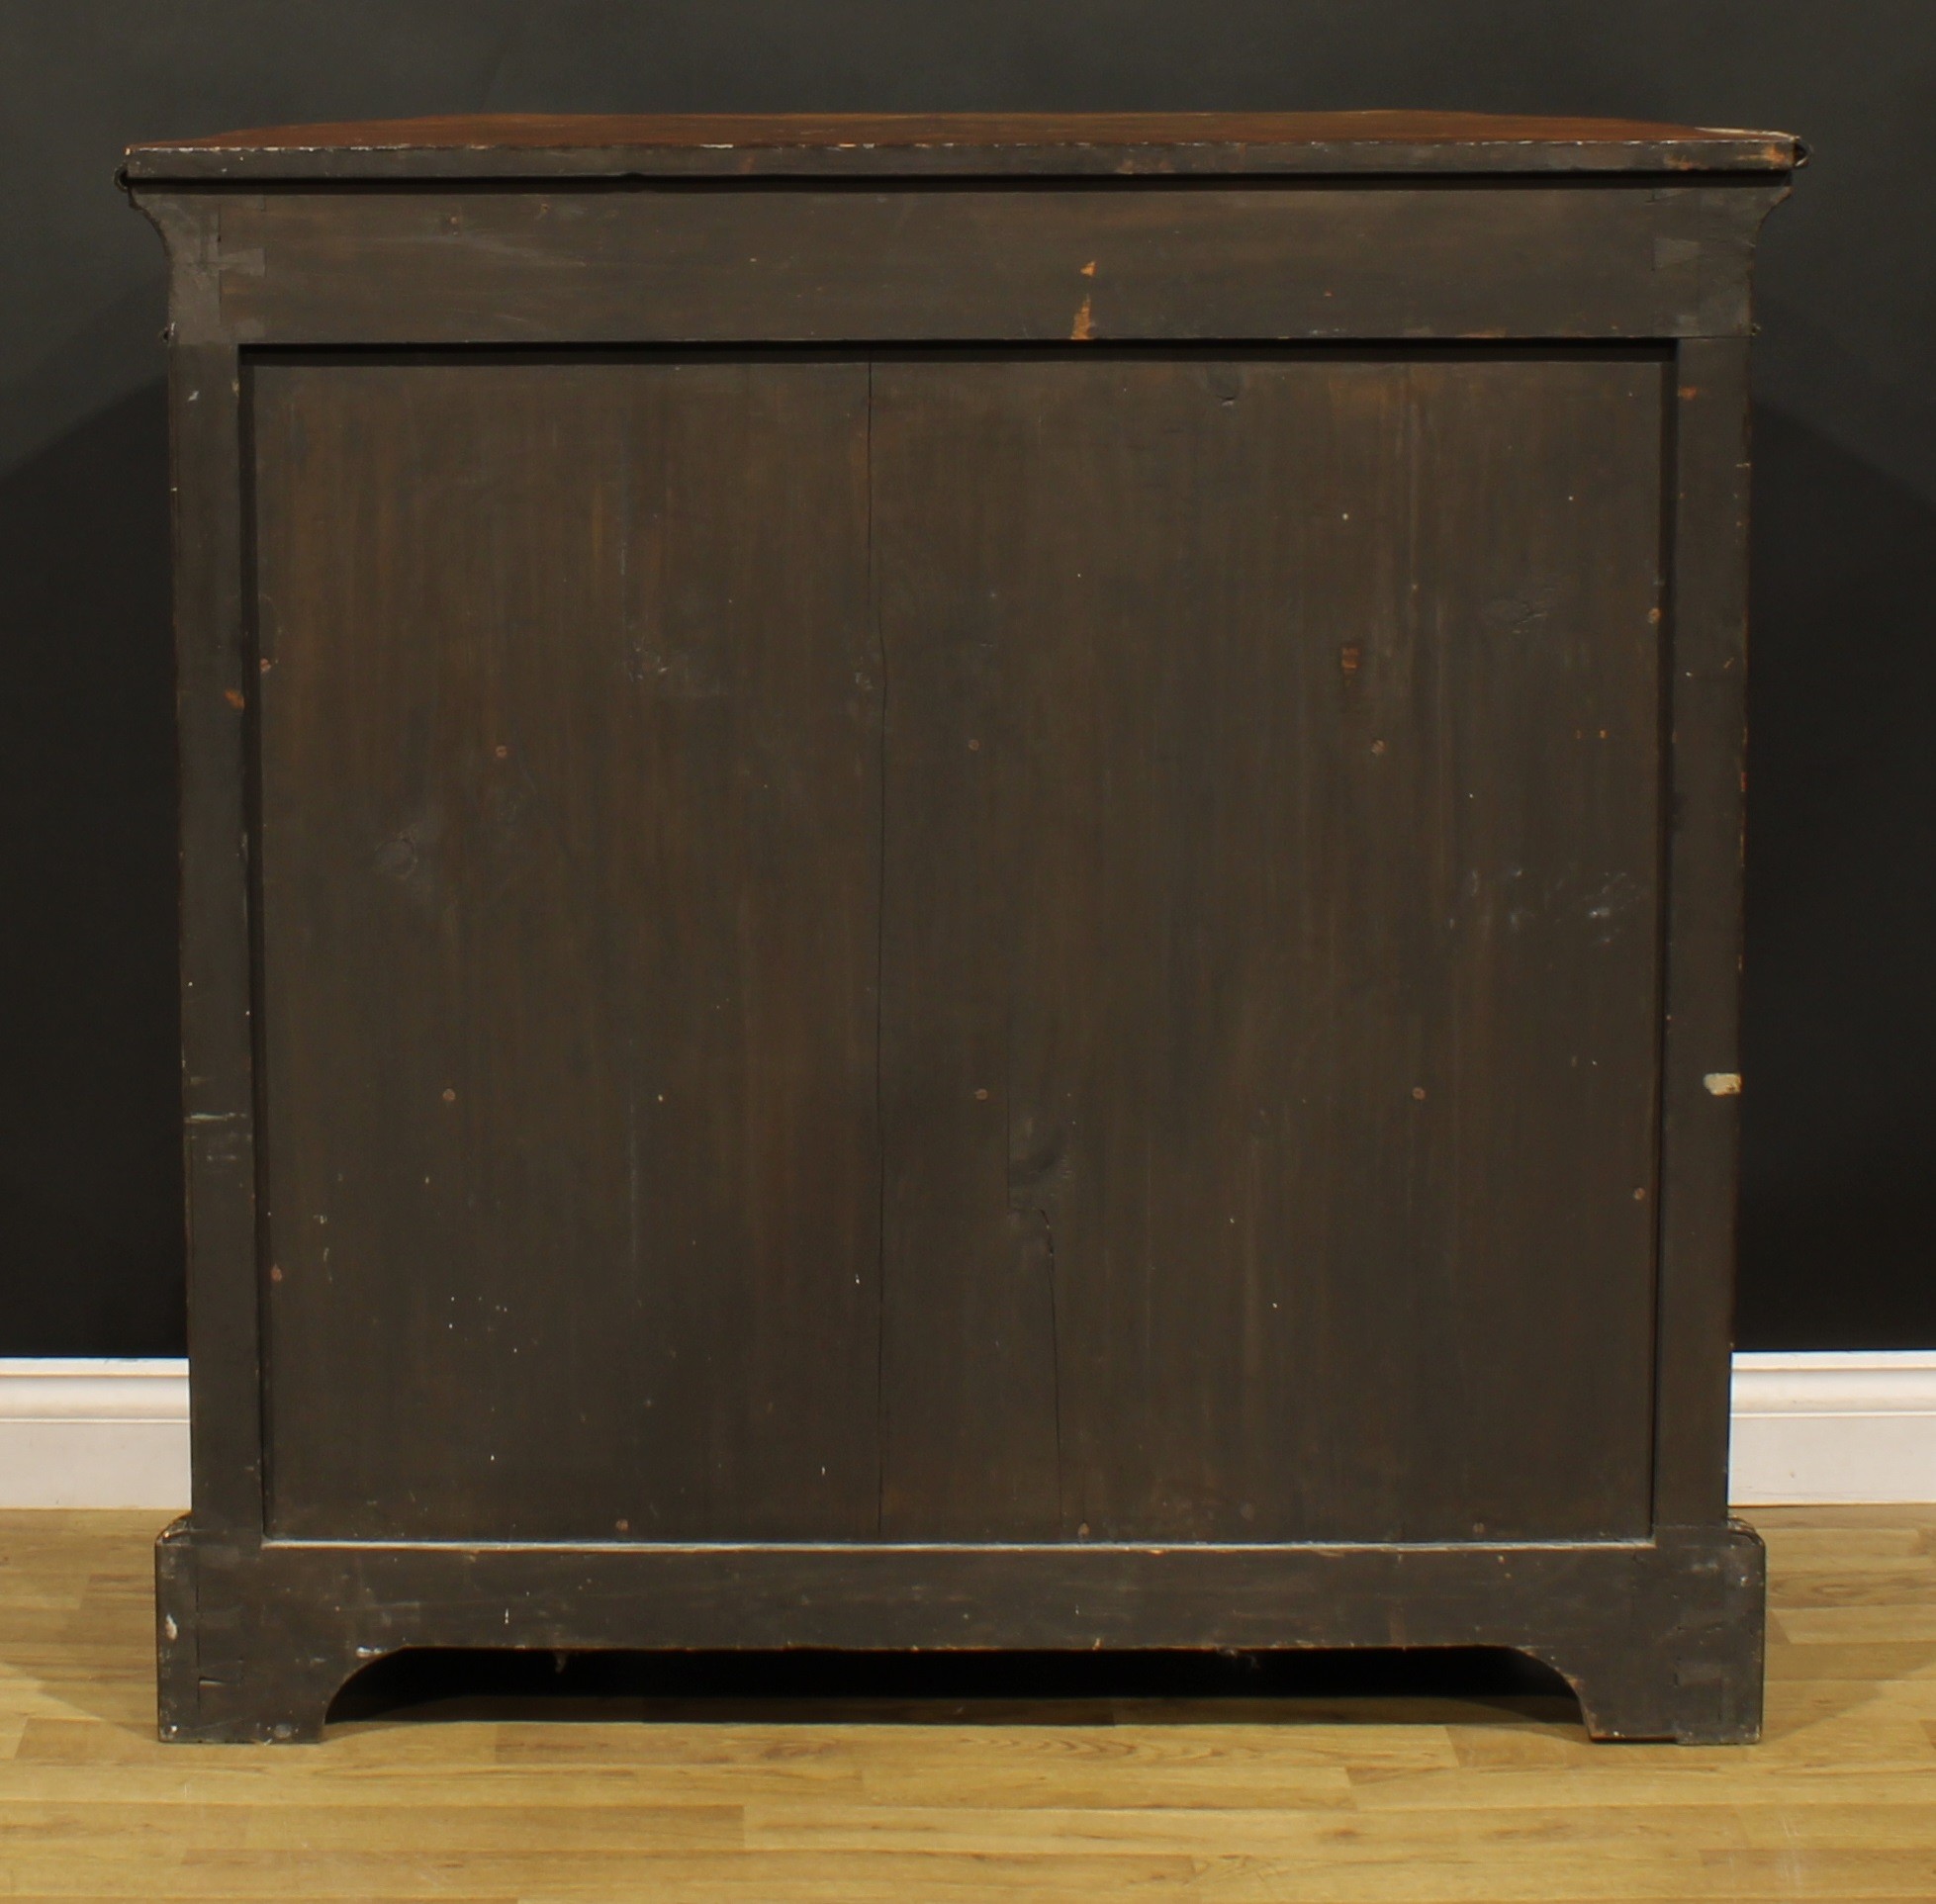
(1468,1684)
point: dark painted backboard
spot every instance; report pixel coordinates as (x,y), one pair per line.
(956,946)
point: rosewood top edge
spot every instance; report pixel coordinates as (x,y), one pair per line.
(960,145)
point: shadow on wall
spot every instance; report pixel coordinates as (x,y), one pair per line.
(1839,1191)
(1839,1220)
(90,1203)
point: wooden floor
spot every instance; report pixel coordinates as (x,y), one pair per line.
(1308,1799)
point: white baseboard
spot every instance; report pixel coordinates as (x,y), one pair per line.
(1808,1428)
(93,1434)
(1814,1428)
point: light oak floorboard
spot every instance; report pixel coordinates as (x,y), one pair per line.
(1371,1801)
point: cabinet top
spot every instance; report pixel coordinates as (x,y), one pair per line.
(960,145)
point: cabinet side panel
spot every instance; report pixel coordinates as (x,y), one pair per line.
(569,832)
(1269,1037)
(1701,1082)
(218,1068)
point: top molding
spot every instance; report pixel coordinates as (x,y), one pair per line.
(960,146)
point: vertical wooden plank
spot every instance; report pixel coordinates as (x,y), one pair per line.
(217,1096)
(968,1365)
(570,830)
(1271,836)
(1707,633)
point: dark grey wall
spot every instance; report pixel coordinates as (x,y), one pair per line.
(1841,1043)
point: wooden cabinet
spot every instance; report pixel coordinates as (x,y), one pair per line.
(960,883)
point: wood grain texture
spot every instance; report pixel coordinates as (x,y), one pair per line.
(1269,949)
(1352,1796)
(1052,264)
(569,743)
(917,143)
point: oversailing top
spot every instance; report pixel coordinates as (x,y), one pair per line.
(959,144)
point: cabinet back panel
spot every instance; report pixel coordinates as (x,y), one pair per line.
(1270,944)
(1247,1041)
(569,743)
